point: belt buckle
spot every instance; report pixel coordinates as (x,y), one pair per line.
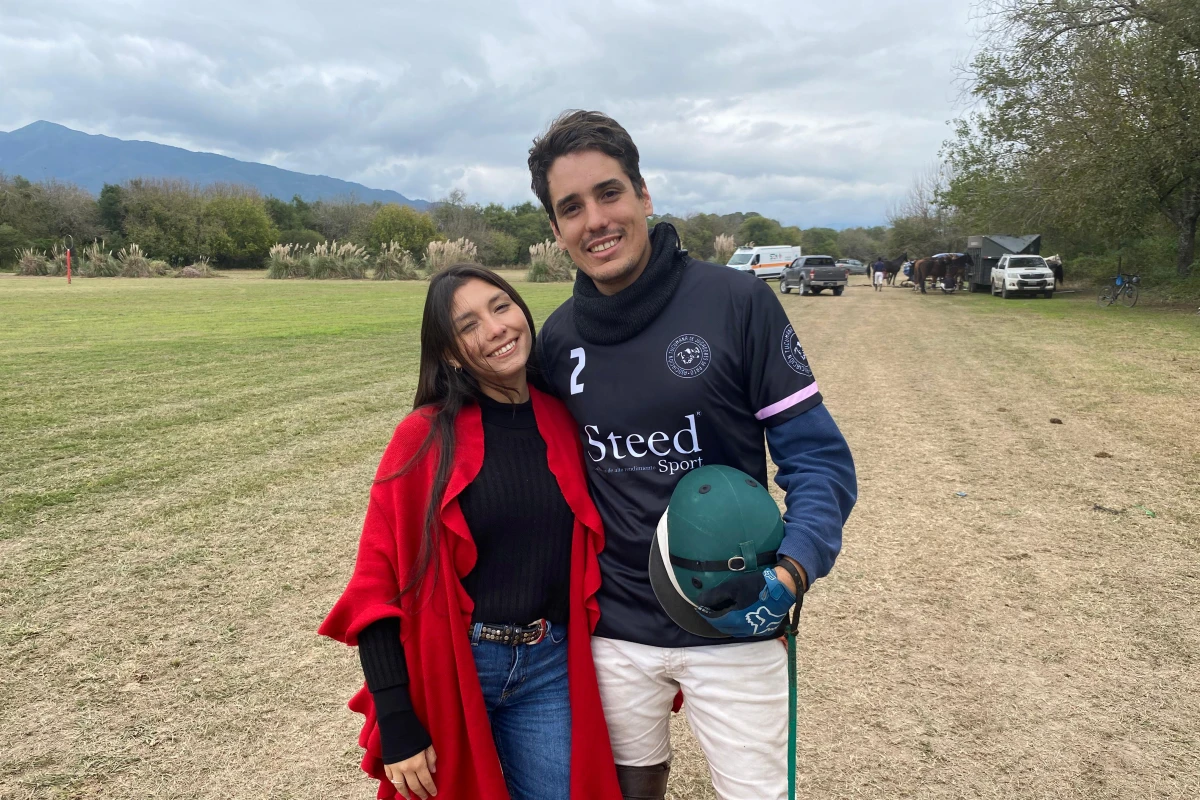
(741,564)
(541,623)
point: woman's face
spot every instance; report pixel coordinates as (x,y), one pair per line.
(492,333)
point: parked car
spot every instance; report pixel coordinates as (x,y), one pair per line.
(1021,274)
(813,275)
(855,266)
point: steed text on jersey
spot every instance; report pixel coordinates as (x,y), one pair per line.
(685,441)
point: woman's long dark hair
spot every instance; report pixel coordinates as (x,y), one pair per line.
(443,391)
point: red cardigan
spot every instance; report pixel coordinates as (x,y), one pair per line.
(443,682)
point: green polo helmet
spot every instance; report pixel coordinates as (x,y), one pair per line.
(720,523)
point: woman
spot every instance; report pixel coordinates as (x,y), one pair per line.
(472,598)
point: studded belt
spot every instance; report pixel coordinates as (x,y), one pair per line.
(511,634)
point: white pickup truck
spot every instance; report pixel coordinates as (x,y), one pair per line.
(1016,275)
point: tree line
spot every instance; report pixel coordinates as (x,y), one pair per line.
(233,226)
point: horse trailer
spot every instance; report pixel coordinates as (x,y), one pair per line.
(985,252)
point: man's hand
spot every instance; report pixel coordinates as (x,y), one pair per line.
(413,777)
(753,604)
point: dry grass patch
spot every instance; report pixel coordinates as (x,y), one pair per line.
(440,255)
(548,263)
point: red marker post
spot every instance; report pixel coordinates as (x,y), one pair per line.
(69,241)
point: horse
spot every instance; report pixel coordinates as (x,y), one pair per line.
(1055,263)
(893,267)
(947,266)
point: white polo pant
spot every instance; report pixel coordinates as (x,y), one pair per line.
(735,698)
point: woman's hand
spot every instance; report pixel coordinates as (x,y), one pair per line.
(413,777)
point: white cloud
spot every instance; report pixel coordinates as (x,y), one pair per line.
(815,113)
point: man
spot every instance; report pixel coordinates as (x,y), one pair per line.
(879,270)
(668,364)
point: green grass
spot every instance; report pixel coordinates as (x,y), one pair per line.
(118,386)
(1150,350)
(1080,308)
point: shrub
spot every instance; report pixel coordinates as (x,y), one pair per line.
(499,249)
(397,223)
(96,262)
(395,263)
(321,262)
(201,269)
(547,263)
(32,262)
(57,262)
(240,231)
(285,261)
(11,242)
(723,248)
(439,255)
(333,260)
(135,263)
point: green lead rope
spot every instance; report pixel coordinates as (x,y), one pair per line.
(793,626)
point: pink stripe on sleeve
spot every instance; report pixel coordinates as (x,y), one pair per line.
(787,402)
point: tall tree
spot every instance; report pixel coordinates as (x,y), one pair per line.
(526,223)
(821,241)
(762,231)
(241,232)
(407,226)
(925,222)
(456,218)
(112,210)
(1090,117)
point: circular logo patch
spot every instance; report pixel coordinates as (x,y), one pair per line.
(793,353)
(688,355)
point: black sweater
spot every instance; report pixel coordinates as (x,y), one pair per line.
(522,528)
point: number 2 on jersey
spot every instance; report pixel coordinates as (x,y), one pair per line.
(579,356)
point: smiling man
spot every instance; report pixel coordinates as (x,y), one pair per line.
(669,364)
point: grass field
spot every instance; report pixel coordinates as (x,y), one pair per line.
(184,466)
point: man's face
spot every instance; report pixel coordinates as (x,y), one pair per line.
(600,220)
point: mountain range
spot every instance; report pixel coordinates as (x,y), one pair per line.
(45,150)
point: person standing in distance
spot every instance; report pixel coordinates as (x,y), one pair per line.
(879,272)
(668,364)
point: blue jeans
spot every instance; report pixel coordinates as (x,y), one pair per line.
(529,708)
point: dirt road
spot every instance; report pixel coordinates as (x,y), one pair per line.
(1015,642)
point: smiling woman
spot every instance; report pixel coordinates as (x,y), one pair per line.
(478,533)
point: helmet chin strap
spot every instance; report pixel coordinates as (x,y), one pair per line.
(664,550)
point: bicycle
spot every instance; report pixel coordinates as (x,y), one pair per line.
(1124,288)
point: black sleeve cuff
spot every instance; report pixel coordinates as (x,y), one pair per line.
(401,734)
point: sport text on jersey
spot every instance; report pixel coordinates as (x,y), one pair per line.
(636,449)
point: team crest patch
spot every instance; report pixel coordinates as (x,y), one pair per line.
(793,353)
(688,355)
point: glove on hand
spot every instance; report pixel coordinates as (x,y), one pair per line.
(754,604)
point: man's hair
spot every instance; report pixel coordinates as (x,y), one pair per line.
(576,131)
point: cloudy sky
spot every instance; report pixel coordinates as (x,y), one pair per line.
(816,113)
